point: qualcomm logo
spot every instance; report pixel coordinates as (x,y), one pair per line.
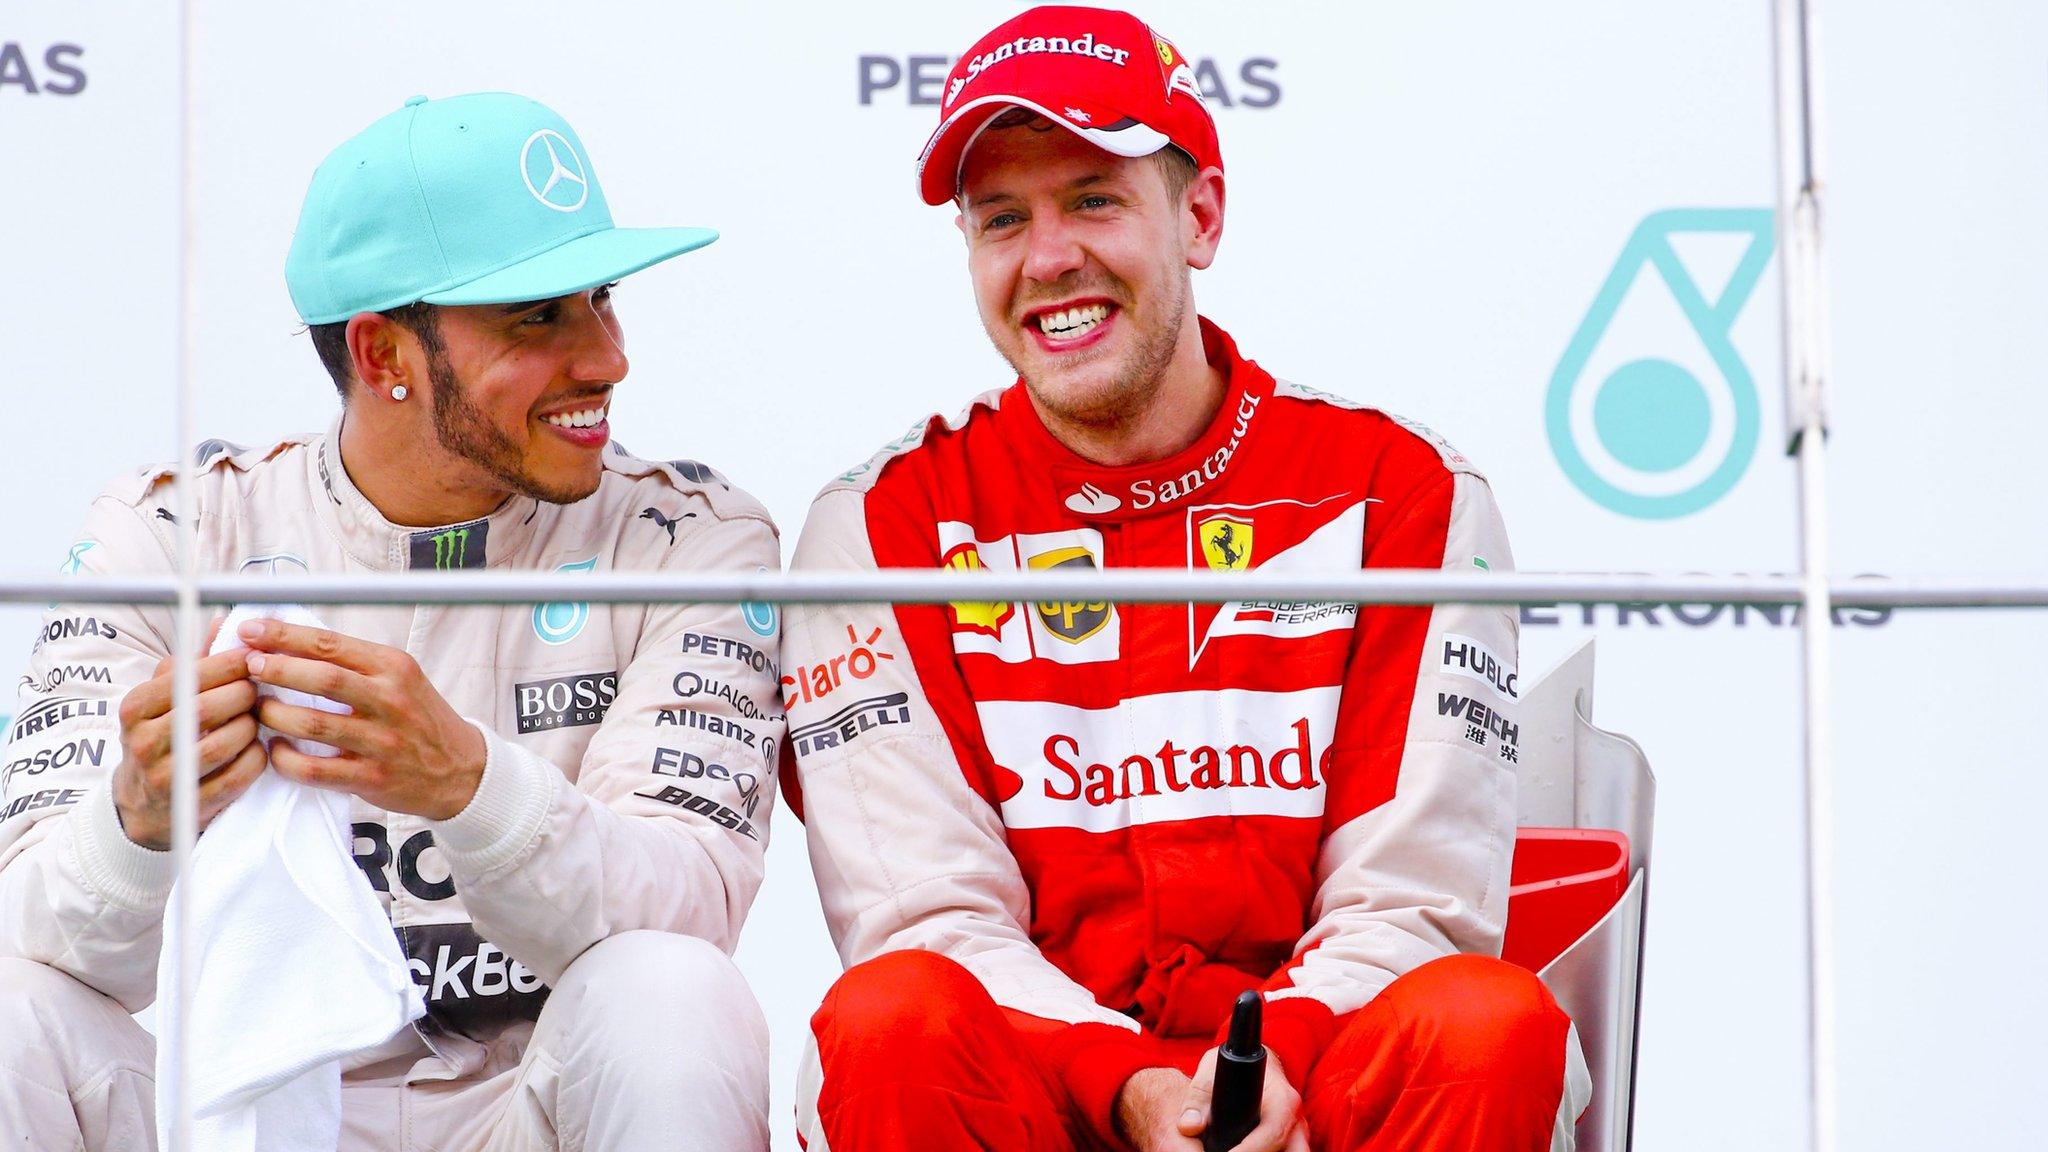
(1645,436)
(553,172)
(561,623)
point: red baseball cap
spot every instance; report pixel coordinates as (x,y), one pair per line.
(1101,74)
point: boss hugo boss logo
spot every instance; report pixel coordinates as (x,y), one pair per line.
(1653,414)
(46,70)
(1251,82)
(565,702)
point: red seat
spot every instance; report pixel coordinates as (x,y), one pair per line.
(1562,882)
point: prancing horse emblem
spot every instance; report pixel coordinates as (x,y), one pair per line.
(1226,542)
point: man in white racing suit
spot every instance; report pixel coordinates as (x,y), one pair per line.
(563,807)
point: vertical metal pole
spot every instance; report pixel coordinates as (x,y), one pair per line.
(185,674)
(1806,418)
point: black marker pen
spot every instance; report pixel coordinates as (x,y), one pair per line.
(1240,1079)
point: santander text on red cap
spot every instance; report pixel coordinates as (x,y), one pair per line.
(1101,74)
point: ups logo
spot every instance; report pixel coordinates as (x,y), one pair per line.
(1071,620)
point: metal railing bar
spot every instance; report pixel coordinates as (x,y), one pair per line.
(1124,586)
(177,1069)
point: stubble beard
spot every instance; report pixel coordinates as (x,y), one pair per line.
(462,428)
(1134,386)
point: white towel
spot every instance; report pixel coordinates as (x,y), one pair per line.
(295,962)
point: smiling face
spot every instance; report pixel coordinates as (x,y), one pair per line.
(1080,264)
(521,392)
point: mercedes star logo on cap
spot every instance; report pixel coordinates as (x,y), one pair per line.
(561,184)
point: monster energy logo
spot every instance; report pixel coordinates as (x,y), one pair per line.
(449,548)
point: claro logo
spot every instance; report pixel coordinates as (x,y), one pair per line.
(1248,83)
(41,70)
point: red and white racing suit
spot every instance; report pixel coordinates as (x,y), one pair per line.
(1116,817)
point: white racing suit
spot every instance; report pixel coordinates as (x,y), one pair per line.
(611,852)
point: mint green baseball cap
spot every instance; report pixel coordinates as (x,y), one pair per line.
(487,198)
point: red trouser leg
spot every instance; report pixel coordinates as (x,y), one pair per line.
(916,1055)
(1464,1054)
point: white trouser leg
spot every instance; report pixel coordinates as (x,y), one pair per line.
(650,1040)
(76,1072)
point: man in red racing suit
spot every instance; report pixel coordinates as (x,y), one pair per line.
(1055,840)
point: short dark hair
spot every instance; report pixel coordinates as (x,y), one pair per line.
(330,341)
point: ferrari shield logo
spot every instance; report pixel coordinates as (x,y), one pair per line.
(1070,620)
(1226,542)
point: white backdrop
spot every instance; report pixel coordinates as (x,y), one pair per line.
(1425,202)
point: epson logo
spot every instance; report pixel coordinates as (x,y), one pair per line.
(79,752)
(565,702)
(58,74)
(1250,83)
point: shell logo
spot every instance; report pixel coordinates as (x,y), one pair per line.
(986,619)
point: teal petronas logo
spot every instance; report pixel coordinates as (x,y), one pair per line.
(1663,435)
(562,622)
